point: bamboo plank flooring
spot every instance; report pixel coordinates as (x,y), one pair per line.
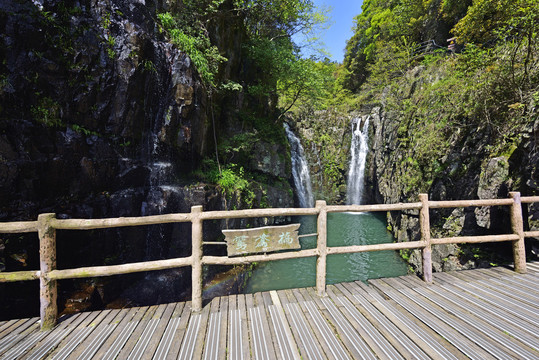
(474,314)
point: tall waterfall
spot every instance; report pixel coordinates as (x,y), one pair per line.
(300,170)
(358,150)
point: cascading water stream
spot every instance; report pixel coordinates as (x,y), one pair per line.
(300,170)
(358,149)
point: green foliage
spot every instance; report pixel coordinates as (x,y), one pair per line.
(238,148)
(272,19)
(399,23)
(485,19)
(149,66)
(232,180)
(83,130)
(194,40)
(47,112)
(230,86)
(481,90)
(111,41)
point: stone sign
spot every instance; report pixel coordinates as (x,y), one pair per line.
(262,240)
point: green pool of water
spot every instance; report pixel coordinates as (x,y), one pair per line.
(343,229)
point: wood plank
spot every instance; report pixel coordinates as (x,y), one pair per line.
(234,335)
(493,310)
(53,338)
(28,339)
(211,347)
(164,320)
(516,308)
(282,295)
(522,283)
(8,323)
(287,348)
(489,309)
(509,288)
(16,331)
(147,334)
(269,338)
(426,338)
(310,317)
(125,325)
(442,328)
(494,329)
(308,345)
(355,345)
(167,338)
(473,327)
(87,347)
(17,326)
(397,338)
(323,330)
(355,341)
(478,324)
(368,332)
(137,333)
(195,335)
(78,333)
(179,334)
(223,314)
(529,297)
(261,339)
(244,328)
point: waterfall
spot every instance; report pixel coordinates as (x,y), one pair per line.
(300,170)
(358,150)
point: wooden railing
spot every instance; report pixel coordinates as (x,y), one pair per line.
(47,225)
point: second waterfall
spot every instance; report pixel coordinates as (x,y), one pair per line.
(300,170)
(358,151)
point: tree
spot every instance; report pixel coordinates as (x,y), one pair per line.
(486,19)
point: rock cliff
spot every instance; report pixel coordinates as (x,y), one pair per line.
(472,163)
(102,116)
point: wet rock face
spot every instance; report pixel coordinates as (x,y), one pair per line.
(101,117)
(94,103)
(91,95)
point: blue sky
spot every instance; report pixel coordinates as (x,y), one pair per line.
(342,19)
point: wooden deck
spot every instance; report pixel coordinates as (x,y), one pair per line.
(478,314)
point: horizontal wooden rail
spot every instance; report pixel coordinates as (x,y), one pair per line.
(469,203)
(251,213)
(243,260)
(307,235)
(474,239)
(19,276)
(529,199)
(47,225)
(90,224)
(18,227)
(97,271)
(376,247)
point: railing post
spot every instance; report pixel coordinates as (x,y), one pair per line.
(424,223)
(196,254)
(322,248)
(48,292)
(517,224)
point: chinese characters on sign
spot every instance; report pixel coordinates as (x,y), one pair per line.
(262,240)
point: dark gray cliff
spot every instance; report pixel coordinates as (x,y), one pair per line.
(101,116)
